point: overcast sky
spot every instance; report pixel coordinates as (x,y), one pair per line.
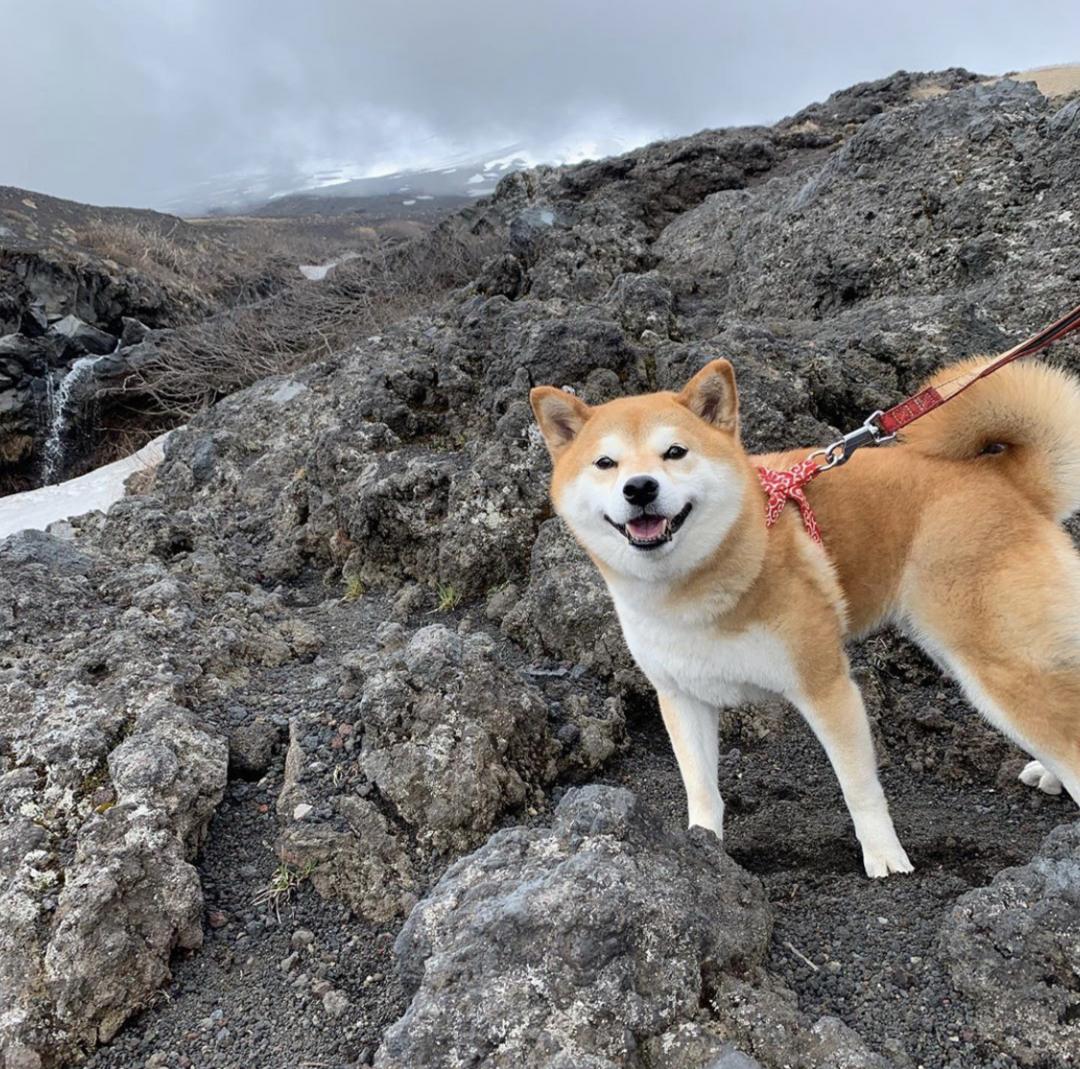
(139,101)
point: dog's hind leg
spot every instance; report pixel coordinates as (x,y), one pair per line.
(1035,774)
(1010,635)
(837,716)
(1033,702)
(694,728)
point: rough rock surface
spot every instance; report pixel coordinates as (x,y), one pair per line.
(435,741)
(110,774)
(604,940)
(1014,949)
(572,945)
(301,538)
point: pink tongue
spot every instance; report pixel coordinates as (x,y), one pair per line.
(647,527)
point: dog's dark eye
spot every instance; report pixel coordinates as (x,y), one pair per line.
(604,463)
(675,452)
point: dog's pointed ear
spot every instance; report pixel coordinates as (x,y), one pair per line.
(560,415)
(711,394)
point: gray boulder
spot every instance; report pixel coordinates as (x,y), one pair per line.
(574,944)
(1013,948)
(81,338)
(443,739)
(131,895)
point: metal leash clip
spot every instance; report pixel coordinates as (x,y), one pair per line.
(870,433)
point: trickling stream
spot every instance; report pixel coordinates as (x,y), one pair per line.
(60,412)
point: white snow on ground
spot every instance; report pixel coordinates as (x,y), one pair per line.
(317,272)
(424,196)
(97,490)
(408,202)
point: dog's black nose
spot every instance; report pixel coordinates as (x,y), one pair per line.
(641,489)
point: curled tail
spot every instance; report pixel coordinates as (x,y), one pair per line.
(1030,408)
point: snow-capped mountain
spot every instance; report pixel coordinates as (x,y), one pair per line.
(468,175)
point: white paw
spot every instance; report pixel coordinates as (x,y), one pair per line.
(1035,774)
(880,859)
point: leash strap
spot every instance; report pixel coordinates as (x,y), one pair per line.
(881,427)
(899,416)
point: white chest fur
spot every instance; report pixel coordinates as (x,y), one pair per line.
(684,654)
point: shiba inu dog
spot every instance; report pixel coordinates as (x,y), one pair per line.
(953,535)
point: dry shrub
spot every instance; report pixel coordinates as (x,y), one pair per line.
(195,365)
(14,448)
(291,240)
(171,256)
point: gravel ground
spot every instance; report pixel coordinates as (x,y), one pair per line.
(291,980)
(863,950)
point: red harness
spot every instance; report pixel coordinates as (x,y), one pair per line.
(882,427)
(780,485)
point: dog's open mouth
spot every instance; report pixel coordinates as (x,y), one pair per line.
(648,531)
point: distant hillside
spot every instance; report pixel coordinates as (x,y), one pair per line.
(116,322)
(411,193)
(35,221)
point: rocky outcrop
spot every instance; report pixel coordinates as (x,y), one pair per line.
(1014,949)
(54,387)
(436,738)
(575,944)
(108,774)
(61,301)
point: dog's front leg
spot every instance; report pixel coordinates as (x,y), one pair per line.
(693,728)
(837,715)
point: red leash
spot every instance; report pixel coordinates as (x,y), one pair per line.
(882,427)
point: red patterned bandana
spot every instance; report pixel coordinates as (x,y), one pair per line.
(781,485)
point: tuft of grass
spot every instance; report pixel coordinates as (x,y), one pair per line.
(354,588)
(449,597)
(283,885)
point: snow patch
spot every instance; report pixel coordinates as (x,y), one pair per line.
(95,491)
(317,272)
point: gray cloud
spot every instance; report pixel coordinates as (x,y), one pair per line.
(134,101)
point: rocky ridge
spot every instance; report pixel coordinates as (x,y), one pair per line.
(63,300)
(282,573)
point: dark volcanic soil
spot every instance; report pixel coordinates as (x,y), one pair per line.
(253,995)
(872,942)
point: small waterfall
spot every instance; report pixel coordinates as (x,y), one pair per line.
(60,411)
